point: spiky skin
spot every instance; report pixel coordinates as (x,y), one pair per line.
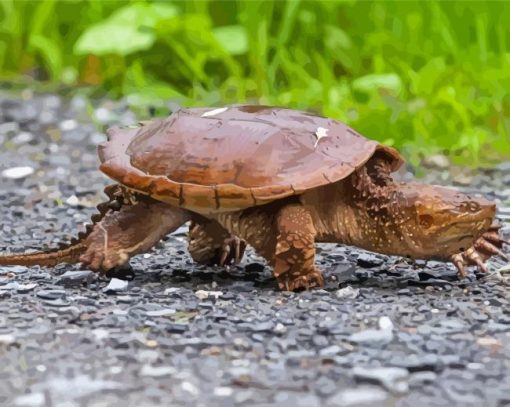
(371,211)
(367,209)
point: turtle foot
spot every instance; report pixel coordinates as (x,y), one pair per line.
(304,281)
(486,246)
(232,251)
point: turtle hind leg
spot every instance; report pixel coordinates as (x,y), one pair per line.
(211,244)
(68,252)
(294,256)
(131,230)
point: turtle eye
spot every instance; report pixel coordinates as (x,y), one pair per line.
(425,221)
(470,206)
(474,206)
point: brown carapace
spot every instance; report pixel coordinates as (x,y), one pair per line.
(278,179)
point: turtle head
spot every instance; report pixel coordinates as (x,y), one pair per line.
(436,222)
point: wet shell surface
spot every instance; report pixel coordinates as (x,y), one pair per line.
(230,158)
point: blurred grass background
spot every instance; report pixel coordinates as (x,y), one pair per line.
(428,77)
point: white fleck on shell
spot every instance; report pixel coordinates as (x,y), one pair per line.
(214,112)
(321,132)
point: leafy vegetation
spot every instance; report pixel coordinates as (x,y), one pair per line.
(425,76)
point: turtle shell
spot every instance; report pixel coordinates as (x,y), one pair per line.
(223,159)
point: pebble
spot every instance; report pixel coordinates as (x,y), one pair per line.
(25,288)
(157,371)
(17,172)
(9,127)
(372,337)
(223,391)
(437,161)
(74,278)
(393,379)
(347,292)
(385,323)
(51,294)
(73,200)
(23,137)
(30,400)
(361,396)
(116,285)
(160,312)
(7,339)
(68,125)
(202,294)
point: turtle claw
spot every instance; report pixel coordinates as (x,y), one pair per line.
(458,262)
(232,251)
(303,282)
(487,245)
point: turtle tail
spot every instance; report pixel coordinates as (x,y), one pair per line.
(48,258)
(68,252)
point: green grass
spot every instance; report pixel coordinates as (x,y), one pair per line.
(427,77)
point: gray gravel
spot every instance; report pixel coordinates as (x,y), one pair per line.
(168,332)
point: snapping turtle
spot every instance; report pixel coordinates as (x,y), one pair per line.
(280,180)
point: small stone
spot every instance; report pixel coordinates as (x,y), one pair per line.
(157,371)
(393,379)
(360,396)
(372,337)
(7,339)
(344,273)
(104,115)
(223,391)
(73,200)
(264,326)
(504,269)
(172,290)
(202,294)
(22,137)
(176,328)
(367,260)
(160,312)
(59,302)
(68,125)
(30,400)
(280,328)
(25,288)
(419,378)
(74,278)
(116,285)
(385,323)
(347,292)
(51,294)
(436,161)
(13,269)
(330,350)
(17,172)
(489,342)
(9,127)
(190,388)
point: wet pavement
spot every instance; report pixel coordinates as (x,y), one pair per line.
(382,332)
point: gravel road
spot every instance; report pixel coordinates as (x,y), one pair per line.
(382,332)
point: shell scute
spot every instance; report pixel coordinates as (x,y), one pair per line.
(220,159)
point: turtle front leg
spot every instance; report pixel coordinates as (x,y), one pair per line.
(211,244)
(129,231)
(294,257)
